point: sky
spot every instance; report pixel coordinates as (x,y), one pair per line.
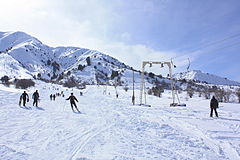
(206,32)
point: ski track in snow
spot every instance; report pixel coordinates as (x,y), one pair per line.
(113,129)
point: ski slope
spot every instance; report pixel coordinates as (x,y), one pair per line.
(114,129)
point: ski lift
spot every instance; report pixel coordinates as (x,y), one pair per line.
(174,90)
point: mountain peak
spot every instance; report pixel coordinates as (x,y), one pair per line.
(198,75)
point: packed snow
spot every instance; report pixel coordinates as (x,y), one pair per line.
(110,128)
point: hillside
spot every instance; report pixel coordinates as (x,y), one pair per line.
(28,56)
(113,129)
(199,76)
(24,56)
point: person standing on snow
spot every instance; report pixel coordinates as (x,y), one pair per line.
(35,98)
(214,106)
(72,99)
(23,98)
(54,97)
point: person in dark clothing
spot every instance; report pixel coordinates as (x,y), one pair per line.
(23,98)
(72,99)
(35,97)
(54,97)
(214,106)
(51,96)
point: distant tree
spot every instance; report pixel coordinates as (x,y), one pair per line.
(219,94)
(226,97)
(114,74)
(49,62)
(54,76)
(160,76)
(70,83)
(150,74)
(39,75)
(223,95)
(200,93)
(5,79)
(81,67)
(238,94)
(60,77)
(157,91)
(88,61)
(207,94)
(190,91)
(24,83)
(69,73)
(126,88)
(55,66)
(149,92)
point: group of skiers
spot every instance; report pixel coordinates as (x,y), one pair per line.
(52,97)
(25,98)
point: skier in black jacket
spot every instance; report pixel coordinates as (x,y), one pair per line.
(23,98)
(35,98)
(214,106)
(72,99)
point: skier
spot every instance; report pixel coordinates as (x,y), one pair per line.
(72,99)
(214,106)
(54,97)
(35,98)
(24,97)
(51,96)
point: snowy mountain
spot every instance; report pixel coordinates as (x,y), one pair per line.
(199,76)
(23,56)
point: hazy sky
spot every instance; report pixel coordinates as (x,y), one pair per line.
(205,31)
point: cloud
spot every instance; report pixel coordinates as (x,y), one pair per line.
(85,24)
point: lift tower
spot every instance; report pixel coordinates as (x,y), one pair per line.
(173,88)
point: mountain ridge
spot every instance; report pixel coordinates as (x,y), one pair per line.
(52,63)
(199,76)
(35,59)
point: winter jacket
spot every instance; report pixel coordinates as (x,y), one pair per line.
(214,103)
(35,96)
(72,98)
(24,96)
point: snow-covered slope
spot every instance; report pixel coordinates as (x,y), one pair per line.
(10,66)
(205,77)
(113,129)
